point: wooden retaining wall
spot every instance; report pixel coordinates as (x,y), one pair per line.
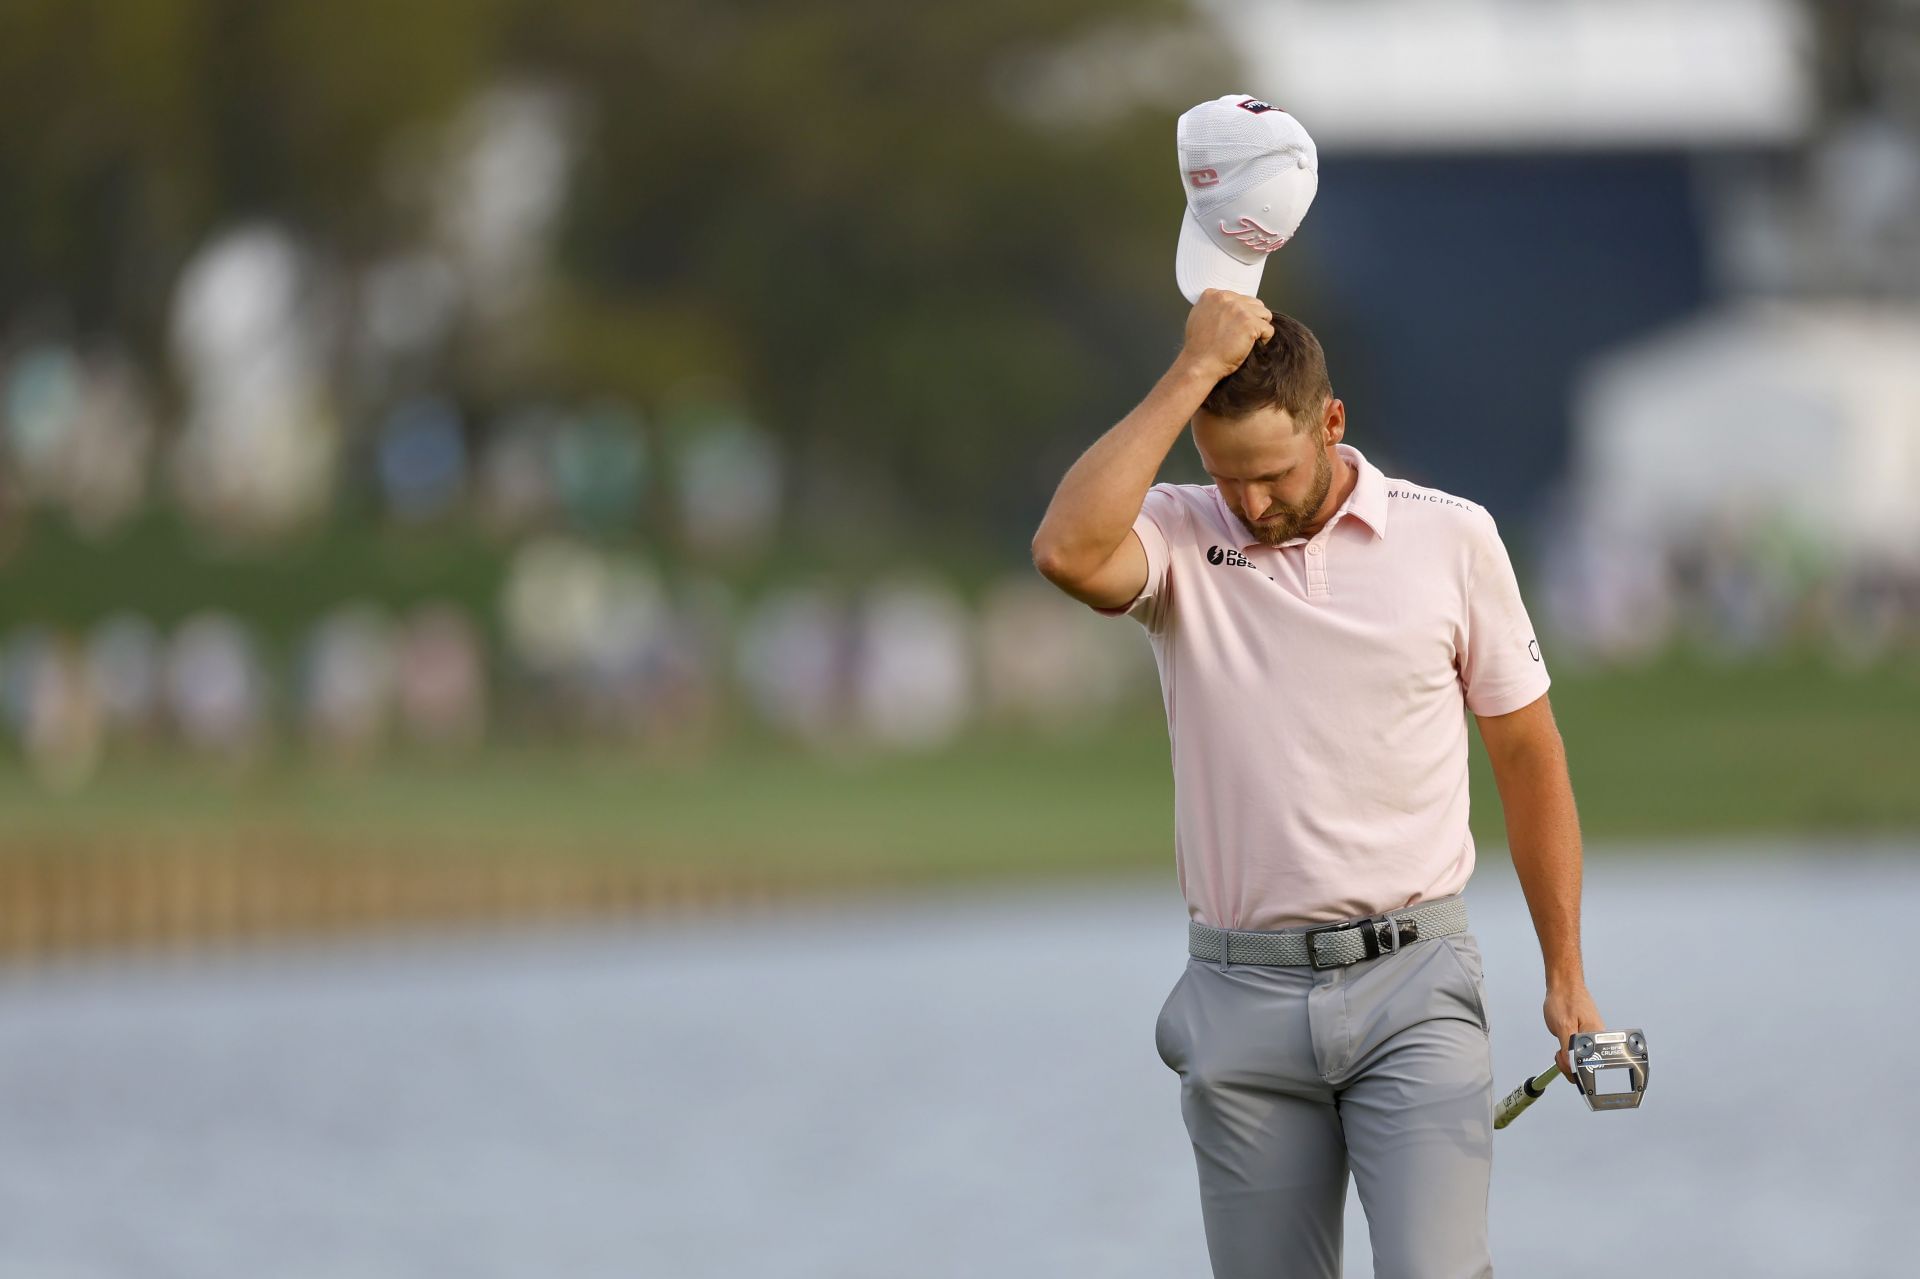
(66,895)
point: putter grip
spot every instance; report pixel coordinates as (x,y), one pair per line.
(1515,1102)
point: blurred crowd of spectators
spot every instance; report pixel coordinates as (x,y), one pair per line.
(595,631)
(79,437)
(593,637)
(295,390)
(593,647)
(1746,586)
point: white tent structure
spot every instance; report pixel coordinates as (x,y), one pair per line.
(1804,412)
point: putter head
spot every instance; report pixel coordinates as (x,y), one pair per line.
(1595,1053)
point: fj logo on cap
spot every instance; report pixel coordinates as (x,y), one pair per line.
(1256,237)
(1204,177)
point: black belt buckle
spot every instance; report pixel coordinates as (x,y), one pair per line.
(1397,933)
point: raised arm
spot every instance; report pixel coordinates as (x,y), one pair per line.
(1085,544)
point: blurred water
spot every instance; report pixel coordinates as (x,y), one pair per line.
(962,1087)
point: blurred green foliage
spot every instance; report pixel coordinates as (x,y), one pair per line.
(837,208)
(133,131)
(161,569)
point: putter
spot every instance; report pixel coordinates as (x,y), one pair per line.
(1591,1054)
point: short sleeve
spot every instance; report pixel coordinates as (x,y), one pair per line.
(1157,525)
(1501,667)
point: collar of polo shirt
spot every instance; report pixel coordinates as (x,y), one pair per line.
(1368,501)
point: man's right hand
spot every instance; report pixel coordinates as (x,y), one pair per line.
(1222,328)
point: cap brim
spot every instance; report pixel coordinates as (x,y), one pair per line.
(1200,264)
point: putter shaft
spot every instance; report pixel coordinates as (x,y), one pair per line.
(1525,1095)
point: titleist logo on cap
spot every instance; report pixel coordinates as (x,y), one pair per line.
(1256,237)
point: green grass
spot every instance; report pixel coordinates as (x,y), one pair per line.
(1679,750)
(1688,748)
(996,803)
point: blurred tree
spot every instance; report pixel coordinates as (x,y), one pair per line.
(845,207)
(851,211)
(130,132)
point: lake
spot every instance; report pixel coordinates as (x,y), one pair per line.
(934,1087)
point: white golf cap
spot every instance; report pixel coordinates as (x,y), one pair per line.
(1250,171)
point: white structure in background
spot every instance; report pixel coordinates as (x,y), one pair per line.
(1807,412)
(502,194)
(1398,75)
(1793,428)
(1456,75)
(260,440)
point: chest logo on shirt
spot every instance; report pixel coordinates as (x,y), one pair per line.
(1228,556)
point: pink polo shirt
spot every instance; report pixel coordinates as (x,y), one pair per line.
(1316,695)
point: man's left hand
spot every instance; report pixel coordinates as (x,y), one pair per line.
(1569,1009)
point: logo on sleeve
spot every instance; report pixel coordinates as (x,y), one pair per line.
(1533,649)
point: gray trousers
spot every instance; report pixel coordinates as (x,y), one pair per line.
(1290,1078)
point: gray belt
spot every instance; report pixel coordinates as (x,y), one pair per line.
(1330,945)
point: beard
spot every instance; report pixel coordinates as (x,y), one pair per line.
(1285,522)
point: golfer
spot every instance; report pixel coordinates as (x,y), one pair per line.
(1319,627)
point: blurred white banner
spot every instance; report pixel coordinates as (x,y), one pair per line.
(1397,75)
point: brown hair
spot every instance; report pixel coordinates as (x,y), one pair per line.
(1288,370)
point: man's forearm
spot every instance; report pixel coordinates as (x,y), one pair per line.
(1100,496)
(1543,835)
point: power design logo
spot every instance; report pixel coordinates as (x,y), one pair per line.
(1228,556)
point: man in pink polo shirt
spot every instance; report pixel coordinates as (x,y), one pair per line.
(1321,631)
